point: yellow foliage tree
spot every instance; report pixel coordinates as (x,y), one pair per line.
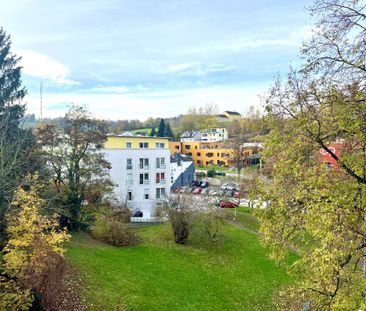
(35,240)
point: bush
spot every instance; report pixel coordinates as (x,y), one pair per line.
(12,296)
(212,220)
(114,232)
(211,173)
(201,174)
(123,215)
(181,217)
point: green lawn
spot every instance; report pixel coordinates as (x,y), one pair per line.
(216,168)
(145,130)
(233,273)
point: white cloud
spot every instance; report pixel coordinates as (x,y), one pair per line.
(42,66)
(110,89)
(174,68)
(150,104)
(195,69)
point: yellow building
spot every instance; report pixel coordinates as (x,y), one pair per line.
(208,153)
(136,142)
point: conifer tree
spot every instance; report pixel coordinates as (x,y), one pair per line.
(161,128)
(168,131)
(15,143)
(153,132)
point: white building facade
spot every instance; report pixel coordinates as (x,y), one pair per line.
(214,134)
(140,170)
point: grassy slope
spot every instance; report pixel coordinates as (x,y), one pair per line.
(231,274)
(145,130)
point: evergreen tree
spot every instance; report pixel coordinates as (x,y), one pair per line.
(11,89)
(161,128)
(168,131)
(153,132)
(15,143)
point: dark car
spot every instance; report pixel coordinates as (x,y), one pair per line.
(195,183)
(220,174)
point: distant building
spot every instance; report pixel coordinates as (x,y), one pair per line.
(232,115)
(214,134)
(215,153)
(182,170)
(222,118)
(228,116)
(190,136)
(140,170)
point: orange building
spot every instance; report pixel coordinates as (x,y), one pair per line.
(208,153)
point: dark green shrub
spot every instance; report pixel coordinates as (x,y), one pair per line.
(211,173)
(113,232)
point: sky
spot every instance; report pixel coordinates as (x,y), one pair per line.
(134,59)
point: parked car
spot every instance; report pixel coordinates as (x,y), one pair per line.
(220,174)
(198,190)
(203,184)
(228,204)
(228,193)
(195,183)
(236,194)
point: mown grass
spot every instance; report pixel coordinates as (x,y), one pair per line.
(232,273)
(243,218)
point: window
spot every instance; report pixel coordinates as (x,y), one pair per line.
(144,163)
(195,147)
(160,162)
(218,154)
(129,164)
(129,179)
(146,194)
(199,162)
(129,145)
(160,193)
(144,145)
(160,178)
(177,147)
(129,196)
(187,146)
(159,145)
(198,154)
(144,179)
(209,154)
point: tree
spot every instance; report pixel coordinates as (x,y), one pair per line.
(153,132)
(198,119)
(74,158)
(161,128)
(168,131)
(316,209)
(16,144)
(34,248)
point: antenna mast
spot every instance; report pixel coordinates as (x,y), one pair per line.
(41,98)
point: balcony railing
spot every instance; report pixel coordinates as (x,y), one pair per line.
(146,182)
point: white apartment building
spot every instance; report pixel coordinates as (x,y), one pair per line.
(214,134)
(140,170)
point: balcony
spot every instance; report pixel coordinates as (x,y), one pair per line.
(144,167)
(146,182)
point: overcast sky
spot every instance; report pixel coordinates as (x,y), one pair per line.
(131,59)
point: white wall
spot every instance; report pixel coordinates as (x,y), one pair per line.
(118,159)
